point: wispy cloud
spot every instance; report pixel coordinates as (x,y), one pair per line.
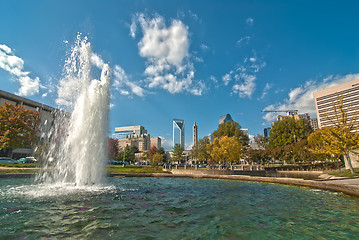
(121,81)
(14,65)
(226,78)
(243,41)
(165,143)
(265,91)
(245,76)
(249,21)
(166,50)
(213,78)
(301,98)
(204,47)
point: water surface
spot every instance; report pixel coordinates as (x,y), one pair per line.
(170,208)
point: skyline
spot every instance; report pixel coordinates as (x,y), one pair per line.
(188,60)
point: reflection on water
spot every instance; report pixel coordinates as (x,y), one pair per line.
(170,208)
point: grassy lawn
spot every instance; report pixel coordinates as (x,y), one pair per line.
(346,173)
(133,169)
(21,165)
(32,168)
(19,170)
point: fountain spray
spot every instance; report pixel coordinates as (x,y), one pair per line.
(78,140)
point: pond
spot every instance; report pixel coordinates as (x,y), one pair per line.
(174,208)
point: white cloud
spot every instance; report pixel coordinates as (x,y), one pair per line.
(133,28)
(161,43)
(166,50)
(14,65)
(5,48)
(301,98)
(245,76)
(213,78)
(166,144)
(226,79)
(121,80)
(249,21)
(28,85)
(247,87)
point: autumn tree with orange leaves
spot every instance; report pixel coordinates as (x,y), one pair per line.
(18,127)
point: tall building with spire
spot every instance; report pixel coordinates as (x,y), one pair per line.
(195,134)
(178,132)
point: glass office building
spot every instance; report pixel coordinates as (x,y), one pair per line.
(178,132)
(122,132)
(225,118)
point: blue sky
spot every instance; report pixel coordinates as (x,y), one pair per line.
(193,60)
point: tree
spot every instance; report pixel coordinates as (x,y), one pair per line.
(226,149)
(112,148)
(344,133)
(334,140)
(288,131)
(323,142)
(157,158)
(200,150)
(162,151)
(127,154)
(151,152)
(18,127)
(297,151)
(177,153)
(156,155)
(231,129)
(261,141)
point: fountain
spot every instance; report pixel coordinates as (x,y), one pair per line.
(77,150)
(71,202)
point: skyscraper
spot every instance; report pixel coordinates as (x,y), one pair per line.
(178,132)
(225,118)
(267,131)
(325,99)
(195,134)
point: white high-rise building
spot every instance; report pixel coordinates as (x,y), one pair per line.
(324,102)
(178,132)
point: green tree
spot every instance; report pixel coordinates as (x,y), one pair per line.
(231,129)
(200,150)
(297,151)
(162,151)
(177,153)
(226,150)
(18,127)
(127,154)
(157,159)
(288,131)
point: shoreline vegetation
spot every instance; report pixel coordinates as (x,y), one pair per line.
(327,181)
(111,169)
